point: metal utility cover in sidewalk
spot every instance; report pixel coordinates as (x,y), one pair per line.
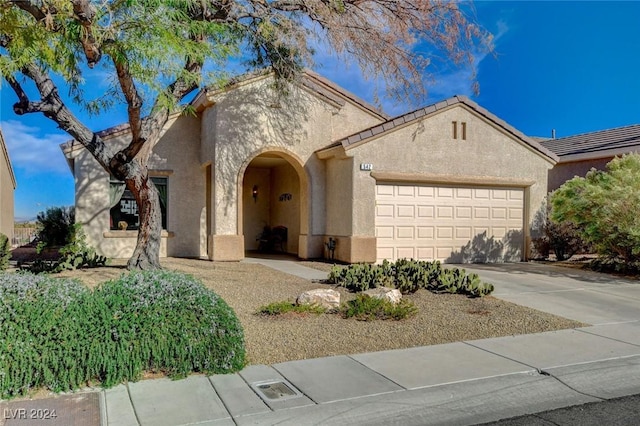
(276,391)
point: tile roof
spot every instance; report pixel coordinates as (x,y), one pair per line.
(596,142)
(431,109)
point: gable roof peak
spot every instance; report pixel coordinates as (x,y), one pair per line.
(428,110)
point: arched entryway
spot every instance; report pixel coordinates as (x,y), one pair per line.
(273,196)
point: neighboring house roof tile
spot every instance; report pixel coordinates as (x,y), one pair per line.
(434,108)
(596,142)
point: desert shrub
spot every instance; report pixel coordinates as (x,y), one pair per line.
(5,252)
(165,321)
(604,207)
(279,308)
(78,254)
(615,266)
(362,276)
(56,333)
(55,226)
(75,254)
(563,237)
(44,337)
(367,308)
(408,275)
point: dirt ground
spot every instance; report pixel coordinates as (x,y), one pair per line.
(441,318)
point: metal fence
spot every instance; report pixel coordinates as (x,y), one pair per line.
(22,236)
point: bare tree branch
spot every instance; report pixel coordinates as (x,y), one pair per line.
(85,13)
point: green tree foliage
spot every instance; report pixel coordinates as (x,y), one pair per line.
(605,206)
(154,53)
(55,226)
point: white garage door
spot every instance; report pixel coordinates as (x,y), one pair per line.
(452,224)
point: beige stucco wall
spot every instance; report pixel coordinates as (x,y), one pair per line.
(7,188)
(251,120)
(562,172)
(176,157)
(427,147)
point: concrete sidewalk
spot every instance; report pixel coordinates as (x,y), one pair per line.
(459,383)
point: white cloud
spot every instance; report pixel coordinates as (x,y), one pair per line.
(32,152)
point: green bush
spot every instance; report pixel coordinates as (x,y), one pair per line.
(367,308)
(563,237)
(44,338)
(604,207)
(362,276)
(76,254)
(279,308)
(55,226)
(5,252)
(408,275)
(165,321)
(57,333)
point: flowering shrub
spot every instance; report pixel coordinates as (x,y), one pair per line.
(165,321)
(43,340)
(57,333)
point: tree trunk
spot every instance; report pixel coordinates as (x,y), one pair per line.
(147,252)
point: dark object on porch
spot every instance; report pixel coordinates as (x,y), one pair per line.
(272,238)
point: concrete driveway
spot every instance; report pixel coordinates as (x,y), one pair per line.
(590,297)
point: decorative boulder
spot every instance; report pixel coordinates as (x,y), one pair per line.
(391,294)
(327,298)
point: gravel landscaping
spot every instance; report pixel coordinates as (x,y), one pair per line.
(441,318)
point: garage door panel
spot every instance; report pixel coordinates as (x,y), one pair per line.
(386,253)
(405,252)
(426,192)
(406,191)
(464,212)
(464,193)
(445,222)
(425,253)
(426,211)
(516,195)
(444,212)
(385,232)
(405,232)
(384,210)
(444,252)
(425,232)
(406,211)
(481,212)
(384,190)
(464,232)
(516,214)
(444,232)
(481,194)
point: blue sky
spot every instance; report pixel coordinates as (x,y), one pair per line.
(569,66)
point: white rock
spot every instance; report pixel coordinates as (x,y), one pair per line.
(391,294)
(325,297)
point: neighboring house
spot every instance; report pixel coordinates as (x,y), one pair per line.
(580,153)
(7,187)
(450,181)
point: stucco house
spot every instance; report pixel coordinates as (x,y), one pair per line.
(7,188)
(578,154)
(449,181)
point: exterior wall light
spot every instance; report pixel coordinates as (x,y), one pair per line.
(254,193)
